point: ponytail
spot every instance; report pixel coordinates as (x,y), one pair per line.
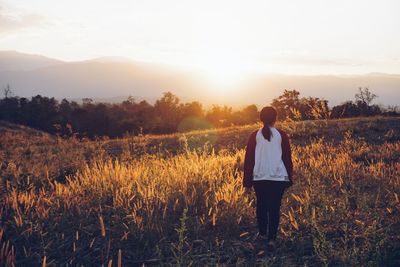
(266,131)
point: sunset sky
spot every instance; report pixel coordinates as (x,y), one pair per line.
(222,37)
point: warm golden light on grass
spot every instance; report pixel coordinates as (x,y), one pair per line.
(190,206)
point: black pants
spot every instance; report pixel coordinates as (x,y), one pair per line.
(269,195)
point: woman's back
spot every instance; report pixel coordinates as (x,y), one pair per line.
(268,163)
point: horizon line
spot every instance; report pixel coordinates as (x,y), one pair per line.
(127,59)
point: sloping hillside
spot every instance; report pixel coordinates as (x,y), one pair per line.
(173,199)
(42,155)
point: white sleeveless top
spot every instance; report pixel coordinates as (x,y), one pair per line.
(268,158)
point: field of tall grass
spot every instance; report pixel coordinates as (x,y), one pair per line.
(178,199)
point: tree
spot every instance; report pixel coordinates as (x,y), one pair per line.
(247,115)
(9,109)
(313,108)
(364,100)
(250,114)
(194,109)
(361,107)
(286,104)
(345,110)
(87,101)
(167,110)
(290,106)
(7,91)
(218,116)
(365,96)
(192,117)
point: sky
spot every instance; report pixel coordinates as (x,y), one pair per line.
(223,38)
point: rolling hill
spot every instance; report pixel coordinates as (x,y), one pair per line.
(15,61)
(115,78)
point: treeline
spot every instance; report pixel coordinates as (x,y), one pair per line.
(90,119)
(167,115)
(291,106)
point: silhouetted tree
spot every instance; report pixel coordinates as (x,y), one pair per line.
(365,96)
(167,111)
(7,91)
(167,115)
(291,107)
(219,116)
(361,107)
(286,103)
(345,110)
(192,117)
(248,114)
(9,109)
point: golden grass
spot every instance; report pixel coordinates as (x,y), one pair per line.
(188,207)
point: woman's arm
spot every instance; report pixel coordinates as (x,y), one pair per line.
(287,154)
(249,160)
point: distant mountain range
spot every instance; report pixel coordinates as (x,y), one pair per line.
(111,79)
(14,61)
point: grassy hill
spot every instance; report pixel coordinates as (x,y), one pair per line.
(178,200)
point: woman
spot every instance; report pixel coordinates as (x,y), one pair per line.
(268,168)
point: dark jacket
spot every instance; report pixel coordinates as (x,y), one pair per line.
(250,158)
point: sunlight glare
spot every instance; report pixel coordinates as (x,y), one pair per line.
(221,67)
(219,49)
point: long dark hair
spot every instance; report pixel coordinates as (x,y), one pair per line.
(268,117)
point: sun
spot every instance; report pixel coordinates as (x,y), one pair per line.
(221,61)
(221,67)
(218,49)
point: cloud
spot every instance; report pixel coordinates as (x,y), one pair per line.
(11,23)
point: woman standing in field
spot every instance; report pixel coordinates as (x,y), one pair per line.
(268,168)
